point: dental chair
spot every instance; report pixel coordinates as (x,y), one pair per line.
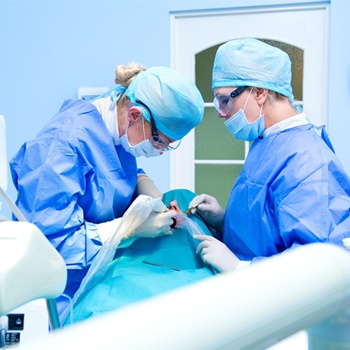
(30,268)
(307,288)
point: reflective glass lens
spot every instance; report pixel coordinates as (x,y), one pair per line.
(156,141)
(223,103)
(164,146)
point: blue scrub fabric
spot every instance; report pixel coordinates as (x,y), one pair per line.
(131,277)
(292,191)
(69,177)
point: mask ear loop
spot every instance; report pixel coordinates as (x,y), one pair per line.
(250,92)
(143,128)
(260,115)
(261,108)
(126,130)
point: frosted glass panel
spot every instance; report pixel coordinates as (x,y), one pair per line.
(204,67)
(213,141)
(216,180)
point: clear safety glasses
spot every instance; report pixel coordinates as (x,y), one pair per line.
(223,103)
(156,141)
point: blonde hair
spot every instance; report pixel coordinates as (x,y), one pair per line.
(125,74)
(276,96)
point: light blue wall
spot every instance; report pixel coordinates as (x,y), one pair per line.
(339,80)
(48,49)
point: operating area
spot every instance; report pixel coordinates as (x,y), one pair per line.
(175,169)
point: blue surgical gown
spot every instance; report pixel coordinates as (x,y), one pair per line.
(292,191)
(70,177)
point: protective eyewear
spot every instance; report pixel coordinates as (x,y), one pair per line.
(223,103)
(156,141)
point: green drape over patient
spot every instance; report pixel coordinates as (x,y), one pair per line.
(144,267)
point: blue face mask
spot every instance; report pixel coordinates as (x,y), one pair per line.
(144,148)
(239,127)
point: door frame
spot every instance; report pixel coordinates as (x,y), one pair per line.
(200,30)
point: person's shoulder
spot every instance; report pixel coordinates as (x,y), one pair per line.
(78,105)
(300,137)
(75,117)
(299,144)
(77,114)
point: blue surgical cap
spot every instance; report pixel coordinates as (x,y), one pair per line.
(174,100)
(251,62)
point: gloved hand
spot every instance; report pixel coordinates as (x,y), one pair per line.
(216,253)
(107,229)
(157,224)
(145,185)
(209,209)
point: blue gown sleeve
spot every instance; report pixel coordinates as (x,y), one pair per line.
(292,191)
(140,171)
(316,209)
(49,178)
(70,177)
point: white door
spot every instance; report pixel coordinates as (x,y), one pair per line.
(208,159)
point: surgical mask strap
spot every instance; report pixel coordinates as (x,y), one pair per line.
(143,128)
(261,108)
(250,92)
(126,132)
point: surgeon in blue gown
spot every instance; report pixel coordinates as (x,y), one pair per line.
(79,174)
(293,189)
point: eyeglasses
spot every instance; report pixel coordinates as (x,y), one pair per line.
(223,103)
(156,141)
